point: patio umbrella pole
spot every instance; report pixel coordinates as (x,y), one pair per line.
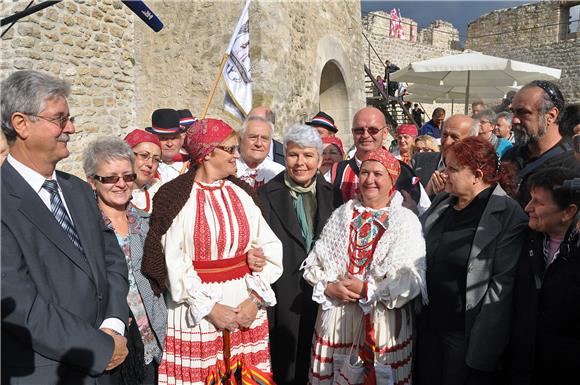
(467,91)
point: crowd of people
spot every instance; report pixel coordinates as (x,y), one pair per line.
(193,249)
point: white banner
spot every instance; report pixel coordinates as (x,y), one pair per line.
(237,71)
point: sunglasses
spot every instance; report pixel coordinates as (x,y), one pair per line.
(370,130)
(115,178)
(229,149)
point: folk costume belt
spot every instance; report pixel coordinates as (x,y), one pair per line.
(222,270)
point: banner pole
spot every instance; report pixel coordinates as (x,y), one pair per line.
(214,85)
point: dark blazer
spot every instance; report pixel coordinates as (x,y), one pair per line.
(278,152)
(292,319)
(424,164)
(54,298)
(490,275)
(545,341)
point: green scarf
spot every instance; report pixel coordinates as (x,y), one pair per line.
(304,199)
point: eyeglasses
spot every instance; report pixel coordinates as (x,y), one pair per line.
(145,156)
(60,121)
(229,149)
(423,149)
(370,130)
(552,91)
(115,178)
(484,122)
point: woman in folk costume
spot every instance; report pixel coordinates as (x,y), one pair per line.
(203,228)
(147,149)
(406,134)
(367,266)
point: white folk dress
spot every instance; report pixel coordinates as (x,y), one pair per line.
(216,227)
(394,275)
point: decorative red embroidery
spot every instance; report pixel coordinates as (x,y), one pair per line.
(221,236)
(241,219)
(201,232)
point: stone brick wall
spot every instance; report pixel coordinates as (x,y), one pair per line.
(527,25)
(88,42)
(531,33)
(442,34)
(289,46)
(402,52)
(121,70)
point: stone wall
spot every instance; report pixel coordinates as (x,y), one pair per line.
(88,42)
(121,70)
(528,25)
(289,47)
(402,52)
(440,33)
(531,33)
(399,51)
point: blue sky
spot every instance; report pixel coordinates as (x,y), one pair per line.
(459,13)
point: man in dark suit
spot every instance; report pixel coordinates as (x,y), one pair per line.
(64,277)
(276,148)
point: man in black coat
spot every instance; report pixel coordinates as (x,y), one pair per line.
(539,144)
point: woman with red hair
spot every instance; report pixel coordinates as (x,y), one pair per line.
(474,233)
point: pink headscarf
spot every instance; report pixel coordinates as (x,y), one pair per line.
(204,135)
(407,129)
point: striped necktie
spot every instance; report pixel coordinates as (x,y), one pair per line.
(60,214)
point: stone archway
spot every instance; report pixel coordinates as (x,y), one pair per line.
(333,98)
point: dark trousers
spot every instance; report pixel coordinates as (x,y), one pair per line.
(440,360)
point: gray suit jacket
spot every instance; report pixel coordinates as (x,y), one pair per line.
(154,306)
(54,298)
(490,274)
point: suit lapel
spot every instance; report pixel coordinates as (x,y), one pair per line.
(32,207)
(488,227)
(432,216)
(84,224)
(284,209)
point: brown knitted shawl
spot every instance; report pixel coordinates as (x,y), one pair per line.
(167,203)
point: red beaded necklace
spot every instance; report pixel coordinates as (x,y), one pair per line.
(362,243)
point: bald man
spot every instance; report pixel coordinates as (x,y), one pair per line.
(369,129)
(429,165)
(276,152)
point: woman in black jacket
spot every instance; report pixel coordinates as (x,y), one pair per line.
(296,204)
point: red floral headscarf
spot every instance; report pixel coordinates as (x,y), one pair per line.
(387,159)
(204,135)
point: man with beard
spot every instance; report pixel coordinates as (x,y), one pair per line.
(536,108)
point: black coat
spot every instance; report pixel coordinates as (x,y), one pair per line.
(292,319)
(545,341)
